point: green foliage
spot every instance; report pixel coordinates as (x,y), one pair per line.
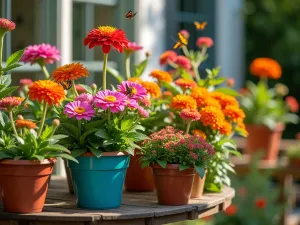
(140,68)
(293,152)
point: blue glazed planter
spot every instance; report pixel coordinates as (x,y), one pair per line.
(98,182)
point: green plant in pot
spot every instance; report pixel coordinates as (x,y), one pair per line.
(175,158)
(267,109)
(103,126)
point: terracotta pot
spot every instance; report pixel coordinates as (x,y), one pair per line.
(294,162)
(173,187)
(138,179)
(261,138)
(25,184)
(198,186)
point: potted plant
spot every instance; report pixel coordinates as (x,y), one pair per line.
(267,110)
(293,155)
(103,126)
(175,158)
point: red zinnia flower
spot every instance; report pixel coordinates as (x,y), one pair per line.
(292,103)
(166,56)
(204,42)
(260,203)
(231,210)
(183,62)
(106,36)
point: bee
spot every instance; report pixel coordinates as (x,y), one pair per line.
(181,41)
(130,91)
(66,84)
(200,26)
(130,15)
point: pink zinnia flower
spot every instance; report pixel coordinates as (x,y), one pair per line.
(79,110)
(167,56)
(185,34)
(190,114)
(204,42)
(6,25)
(42,53)
(292,103)
(132,90)
(84,98)
(25,81)
(146,102)
(131,103)
(183,62)
(113,100)
(132,47)
(9,103)
(143,112)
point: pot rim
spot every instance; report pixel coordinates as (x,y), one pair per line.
(28,162)
(279,126)
(170,166)
(105,154)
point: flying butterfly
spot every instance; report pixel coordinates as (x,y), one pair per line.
(130,15)
(66,84)
(200,26)
(181,41)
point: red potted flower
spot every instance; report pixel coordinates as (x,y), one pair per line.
(175,158)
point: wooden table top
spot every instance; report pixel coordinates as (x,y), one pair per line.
(136,209)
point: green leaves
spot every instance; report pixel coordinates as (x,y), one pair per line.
(95,151)
(183,167)
(200,170)
(102,133)
(140,68)
(87,88)
(7,91)
(228,91)
(162,163)
(71,130)
(5,80)
(14,58)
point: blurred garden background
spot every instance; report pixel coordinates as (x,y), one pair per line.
(242,30)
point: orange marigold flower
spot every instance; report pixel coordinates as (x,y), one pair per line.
(135,80)
(265,67)
(199,133)
(167,56)
(190,114)
(48,91)
(200,94)
(241,127)
(25,124)
(71,71)
(167,94)
(161,75)
(234,113)
(260,203)
(183,102)
(225,128)
(106,36)
(152,88)
(185,83)
(212,116)
(224,99)
(231,210)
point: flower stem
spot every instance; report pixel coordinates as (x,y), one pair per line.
(104,71)
(188,127)
(43,118)
(195,69)
(74,88)
(79,126)
(127,64)
(1,49)
(185,51)
(45,71)
(12,122)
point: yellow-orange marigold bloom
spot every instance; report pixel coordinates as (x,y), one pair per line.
(48,91)
(225,128)
(161,75)
(200,94)
(183,102)
(152,88)
(199,133)
(224,99)
(212,116)
(241,127)
(135,80)
(185,83)
(265,67)
(71,71)
(25,124)
(234,113)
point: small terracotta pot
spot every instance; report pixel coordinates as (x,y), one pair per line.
(294,162)
(25,184)
(138,179)
(173,187)
(198,186)
(261,138)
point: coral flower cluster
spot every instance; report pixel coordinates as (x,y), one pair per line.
(6,25)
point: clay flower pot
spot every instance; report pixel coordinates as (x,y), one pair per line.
(173,187)
(261,138)
(198,186)
(25,184)
(138,179)
(294,162)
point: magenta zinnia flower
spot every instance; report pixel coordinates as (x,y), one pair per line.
(6,25)
(143,112)
(132,90)
(131,103)
(42,53)
(132,47)
(84,98)
(113,100)
(79,110)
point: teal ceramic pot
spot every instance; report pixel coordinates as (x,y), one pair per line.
(98,182)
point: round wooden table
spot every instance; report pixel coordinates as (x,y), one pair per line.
(136,209)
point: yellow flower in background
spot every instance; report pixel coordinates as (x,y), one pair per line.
(241,128)
(135,80)
(212,116)
(183,102)
(234,113)
(152,88)
(200,94)
(224,99)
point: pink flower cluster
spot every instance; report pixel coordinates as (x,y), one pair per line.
(6,25)
(132,47)
(127,96)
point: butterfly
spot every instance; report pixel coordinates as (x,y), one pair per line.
(200,26)
(130,91)
(181,41)
(66,84)
(130,15)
